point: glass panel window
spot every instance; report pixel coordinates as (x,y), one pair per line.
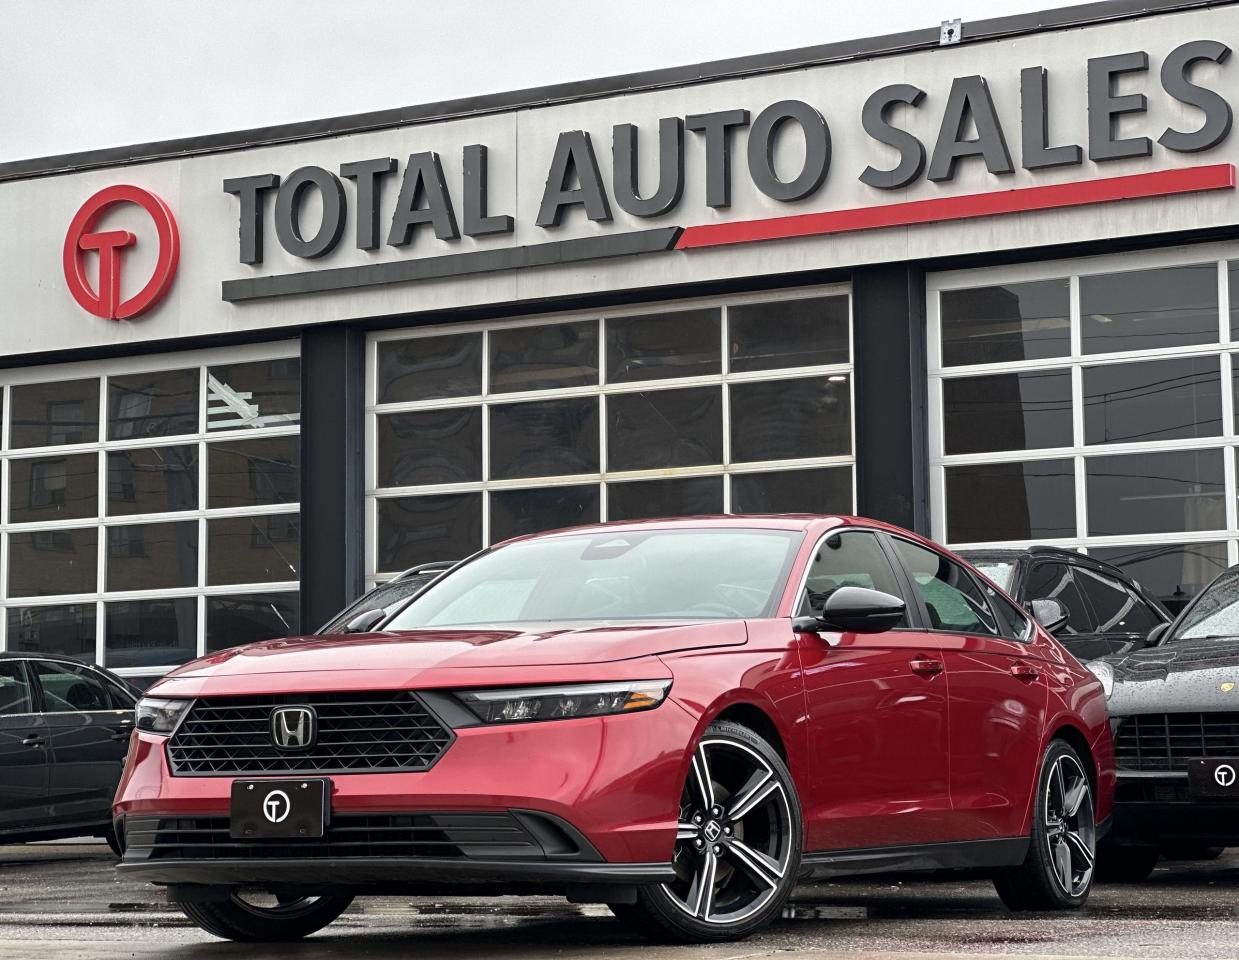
(1007,411)
(234,621)
(153,480)
(254,472)
(791,419)
(15,698)
(72,689)
(544,357)
(152,556)
(153,404)
(1233,279)
(1057,581)
(430,368)
(262,549)
(67,631)
(514,513)
(1161,400)
(788,333)
(50,414)
(656,429)
(1114,607)
(952,598)
(544,438)
(1006,322)
(150,633)
(646,499)
(45,563)
(827,490)
(54,488)
(1156,493)
(430,446)
(847,559)
(416,530)
(1149,309)
(1173,573)
(265,393)
(687,343)
(1032,500)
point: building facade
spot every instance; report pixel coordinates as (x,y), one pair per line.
(982,289)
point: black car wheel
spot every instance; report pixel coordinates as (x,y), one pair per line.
(737,852)
(259,918)
(1126,863)
(1057,873)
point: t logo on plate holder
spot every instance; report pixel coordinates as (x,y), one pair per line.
(276,806)
(1224,775)
(294,728)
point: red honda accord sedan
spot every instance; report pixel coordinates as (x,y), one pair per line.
(680,719)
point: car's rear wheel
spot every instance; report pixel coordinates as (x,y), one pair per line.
(1057,873)
(255,917)
(1126,863)
(737,853)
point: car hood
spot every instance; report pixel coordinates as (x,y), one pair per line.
(1186,675)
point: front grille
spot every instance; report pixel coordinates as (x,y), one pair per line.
(372,732)
(479,836)
(1165,742)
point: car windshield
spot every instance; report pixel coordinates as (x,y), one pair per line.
(999,571)
(1214,615)
(626,574)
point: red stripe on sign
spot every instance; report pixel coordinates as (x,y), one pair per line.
(1163,183)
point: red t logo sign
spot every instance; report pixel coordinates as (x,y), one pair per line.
(109,244)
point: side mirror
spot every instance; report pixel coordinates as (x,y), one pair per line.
(855,610)
(1156,635)
(1050,613)
(365,622)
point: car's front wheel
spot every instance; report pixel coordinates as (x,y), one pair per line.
(737,853)
(253,917)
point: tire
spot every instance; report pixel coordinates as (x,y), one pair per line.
(1197,854)
(1057,873)
(237,919)
(113,841)
(1120,863)
(740,839)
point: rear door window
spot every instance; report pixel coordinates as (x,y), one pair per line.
(1053,580)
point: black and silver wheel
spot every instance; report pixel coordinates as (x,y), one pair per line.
(257,917)
(738,844)
(1057,873)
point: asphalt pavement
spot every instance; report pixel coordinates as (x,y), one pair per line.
(64,901)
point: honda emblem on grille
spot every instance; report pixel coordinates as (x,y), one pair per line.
(294,728)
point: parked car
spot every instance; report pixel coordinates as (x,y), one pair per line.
(64,731)
(677,718)
(387,597)
(1103,611)
(1176,716)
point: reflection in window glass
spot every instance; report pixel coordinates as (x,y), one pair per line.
(1173,573)
(788,419)
(514,513)
(68,688)
(67,631)
(826,490)
(1156,493)
(544,438)
(152,556)
(255,472)
(233,621)
(15,698)
(430,446)
(47,563)
(543,357)
(430,368)
(1233,279)
(1161,400)
(48,414)
(54,488)
(1007,411)
(150,633)
(262,549)
(1147,309)
(264,393)
(788,333)
(153,480)
(153,404)
(657,346)
(1057,581)
(683,497)
(952,598)
(414,530)
(1006,323)
(655,429)
(1034,500)
(847,559)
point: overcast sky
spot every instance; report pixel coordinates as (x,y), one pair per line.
(80,74)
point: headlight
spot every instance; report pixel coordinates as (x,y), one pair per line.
(160,716)
(562,703)
(1105,673)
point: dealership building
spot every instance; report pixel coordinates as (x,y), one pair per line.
(981,282)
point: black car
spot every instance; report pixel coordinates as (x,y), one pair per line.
(386,597)
(1100,610)
(64,732)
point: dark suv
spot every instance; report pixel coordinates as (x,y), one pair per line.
(1103,611)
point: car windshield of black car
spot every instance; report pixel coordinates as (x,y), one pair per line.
(1215,615)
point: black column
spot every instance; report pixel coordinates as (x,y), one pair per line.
(888,316)
(332,471)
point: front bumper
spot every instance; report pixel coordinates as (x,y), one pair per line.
(1158,809)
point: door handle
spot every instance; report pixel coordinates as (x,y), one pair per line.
(1025,671)
(926,666)
(33,742)
(122,733)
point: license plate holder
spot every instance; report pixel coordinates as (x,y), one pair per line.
(295,809)
(1213,779)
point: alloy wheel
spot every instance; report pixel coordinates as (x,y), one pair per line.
(733,844)
(1069,825)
